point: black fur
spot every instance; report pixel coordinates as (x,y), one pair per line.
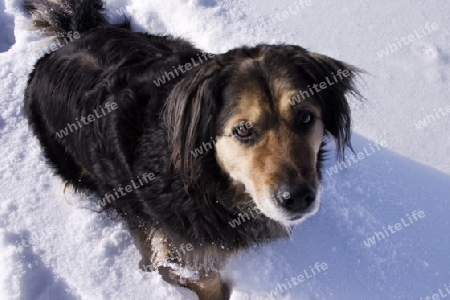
(154,128)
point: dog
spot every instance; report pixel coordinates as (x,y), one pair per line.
(179,142)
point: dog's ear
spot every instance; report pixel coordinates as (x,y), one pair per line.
(339,78)
(190,115)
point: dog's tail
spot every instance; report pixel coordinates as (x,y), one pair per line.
(55,17)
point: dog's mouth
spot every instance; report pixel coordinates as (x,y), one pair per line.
(296,216)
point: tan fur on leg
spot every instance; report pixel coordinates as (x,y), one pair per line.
(210,288)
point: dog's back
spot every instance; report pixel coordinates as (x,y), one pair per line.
(92,69)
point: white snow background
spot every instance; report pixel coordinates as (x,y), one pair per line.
(53,247)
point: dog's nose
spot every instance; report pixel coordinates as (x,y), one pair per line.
(301,196)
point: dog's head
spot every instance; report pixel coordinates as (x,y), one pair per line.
(263,112)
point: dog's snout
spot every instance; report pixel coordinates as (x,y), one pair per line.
(300,198)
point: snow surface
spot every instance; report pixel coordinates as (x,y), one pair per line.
(53,247)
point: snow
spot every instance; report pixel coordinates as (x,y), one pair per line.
(52,246)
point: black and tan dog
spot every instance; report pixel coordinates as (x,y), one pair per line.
(259,115)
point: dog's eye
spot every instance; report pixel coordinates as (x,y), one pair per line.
(305,118)
(243,132)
